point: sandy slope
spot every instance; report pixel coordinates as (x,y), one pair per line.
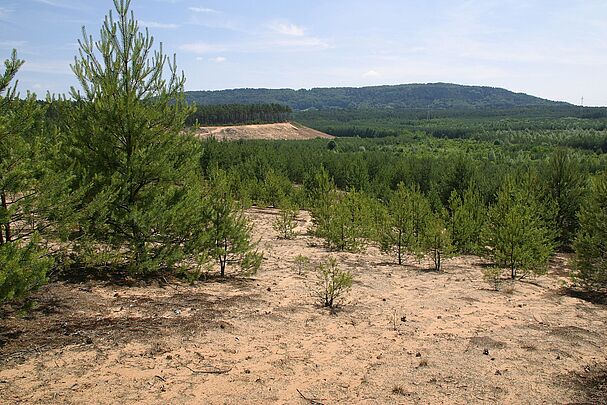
(281,131)
(404,335)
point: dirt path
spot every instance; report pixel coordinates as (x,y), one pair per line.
(404,335)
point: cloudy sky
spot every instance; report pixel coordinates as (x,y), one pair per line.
(555,49)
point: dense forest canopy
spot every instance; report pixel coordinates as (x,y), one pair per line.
(239,114)
(433,95)
(441,110)
(535,125)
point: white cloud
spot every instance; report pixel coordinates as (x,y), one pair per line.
(59,67)
(415,49)
(372,73)
(202,10)
(215,22)
(155,24)
(300,43)
(201,48)
(216,59)
(61,4)
(48,2)
(261,45)
(287,35)
(285,28)
(70,46)
(12,44)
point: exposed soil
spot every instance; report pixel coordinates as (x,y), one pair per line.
(403,335)
(280,131)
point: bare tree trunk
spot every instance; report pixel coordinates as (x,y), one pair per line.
(512,268)
(438,263)
(400,247)
(223,259)
(7,225)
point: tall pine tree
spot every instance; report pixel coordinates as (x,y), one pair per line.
(23,263)
(591,241)
(228,240)
(407,217)
(517,233)
(566,185)
(123,141)
(466,220)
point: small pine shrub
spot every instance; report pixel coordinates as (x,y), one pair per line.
(286,222)
(302,264)
(493,276)
(192,273)
(332,283)
(344,221)
(251,262)
(22,269)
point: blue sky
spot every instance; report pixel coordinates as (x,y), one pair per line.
(550,48)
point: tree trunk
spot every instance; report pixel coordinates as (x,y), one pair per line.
(223,258)
(438,262)
(436,257)
(7,225)
(512,268)
(400,247)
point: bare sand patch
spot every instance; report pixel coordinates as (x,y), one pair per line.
(280,131)
(404,335)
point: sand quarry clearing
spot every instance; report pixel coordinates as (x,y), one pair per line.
(280,131)
(405,335)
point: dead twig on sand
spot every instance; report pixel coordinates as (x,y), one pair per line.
(169,284)
(312,401)
(216,371)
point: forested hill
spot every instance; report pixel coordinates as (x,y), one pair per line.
(434,95)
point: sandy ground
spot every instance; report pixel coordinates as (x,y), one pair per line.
(281,131)
(404,335)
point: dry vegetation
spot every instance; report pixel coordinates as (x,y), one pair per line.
(404,335)
(280,131)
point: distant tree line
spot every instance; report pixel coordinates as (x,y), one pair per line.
(473,120)
(485,114)
(360,132)
(239,114)
(415,96)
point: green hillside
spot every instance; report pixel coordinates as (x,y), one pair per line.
(434,95)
